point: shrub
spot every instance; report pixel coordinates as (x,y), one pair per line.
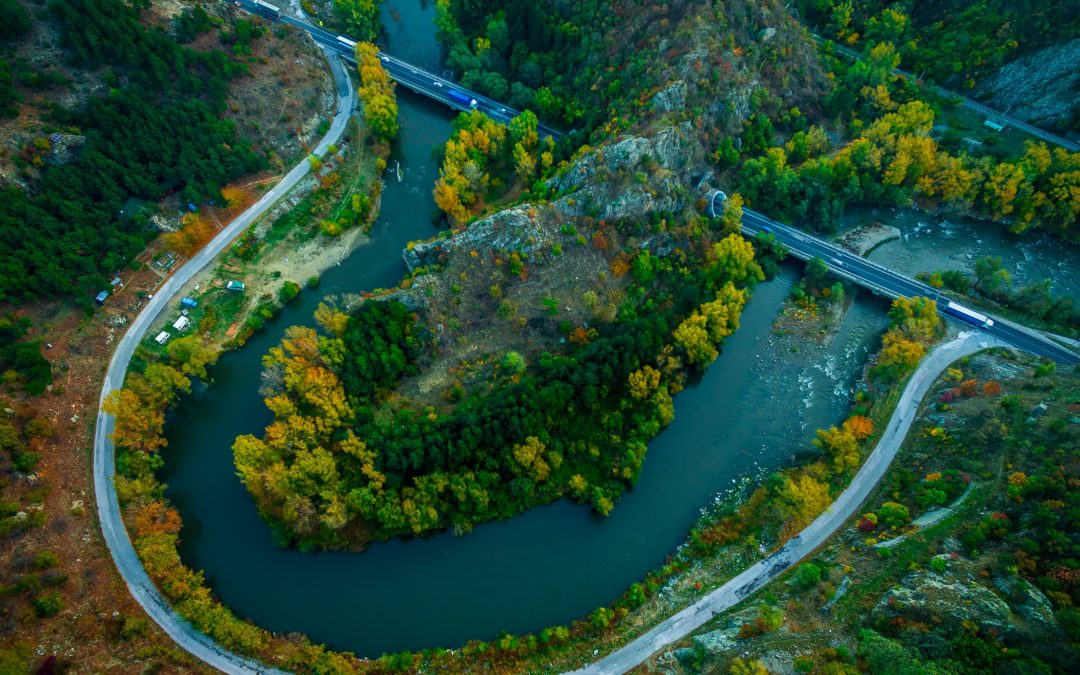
(48,604)
(46,559)
(808,575)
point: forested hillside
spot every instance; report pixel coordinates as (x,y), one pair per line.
(953,42)
(587,64)
(157,128)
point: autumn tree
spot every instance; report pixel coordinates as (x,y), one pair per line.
(916,317)
(192,355)
(898,356)
(842,445)
(731,218)
(801,500)
(376,91)
(463,178)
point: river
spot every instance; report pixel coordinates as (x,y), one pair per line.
(754,408)
(929,243)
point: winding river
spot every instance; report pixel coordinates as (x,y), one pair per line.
(754,408)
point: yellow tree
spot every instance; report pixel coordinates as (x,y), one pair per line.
(376,92)
(733,260)
(693,336)
(916,317)
(138,425)
(731,219)
(802,500)
(722,314)
(842,445)
(898,355)
(644,381)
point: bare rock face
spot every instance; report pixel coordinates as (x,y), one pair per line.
(1028,601)
(671,97)
(517,229)
(932,598)
(1038,88)
(632,177)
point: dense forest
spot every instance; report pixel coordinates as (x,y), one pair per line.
(347,460)
(157,130)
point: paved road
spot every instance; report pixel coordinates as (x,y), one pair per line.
(846,505)
(410,76)
(112,526)
(884,281)
(999,117)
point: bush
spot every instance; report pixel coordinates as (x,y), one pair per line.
(289,290)
(808,575)
(46,559)
(48,604)
(894,514)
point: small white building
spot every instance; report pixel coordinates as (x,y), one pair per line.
(182,323)
(162,338)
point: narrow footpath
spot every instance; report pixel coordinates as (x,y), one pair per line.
(736,590)
(108,508)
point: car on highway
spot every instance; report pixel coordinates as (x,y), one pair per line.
(437,84)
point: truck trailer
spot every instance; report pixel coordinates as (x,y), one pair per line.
(461,98)
(272,11)
(967,315)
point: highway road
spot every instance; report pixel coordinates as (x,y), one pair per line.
(999,117)
(759,574)
(882,280)
(108,508)
(410,76)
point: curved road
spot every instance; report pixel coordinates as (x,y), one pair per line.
(112,526)
(734,591)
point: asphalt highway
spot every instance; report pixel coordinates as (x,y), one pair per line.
(884,281)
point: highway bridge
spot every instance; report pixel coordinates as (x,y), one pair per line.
(407,75)
(999,117)
(881,280)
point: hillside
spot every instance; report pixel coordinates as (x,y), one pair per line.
(963,561)
(108,110)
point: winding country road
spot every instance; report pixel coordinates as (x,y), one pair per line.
(761,573)
(112,526)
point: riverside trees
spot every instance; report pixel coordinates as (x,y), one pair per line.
(349,459)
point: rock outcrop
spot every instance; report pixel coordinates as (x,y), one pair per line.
(1028,601)
(945,600)
(519,228)
(1039,88)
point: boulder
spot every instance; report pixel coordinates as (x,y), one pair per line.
(1028,601)
(930,598)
